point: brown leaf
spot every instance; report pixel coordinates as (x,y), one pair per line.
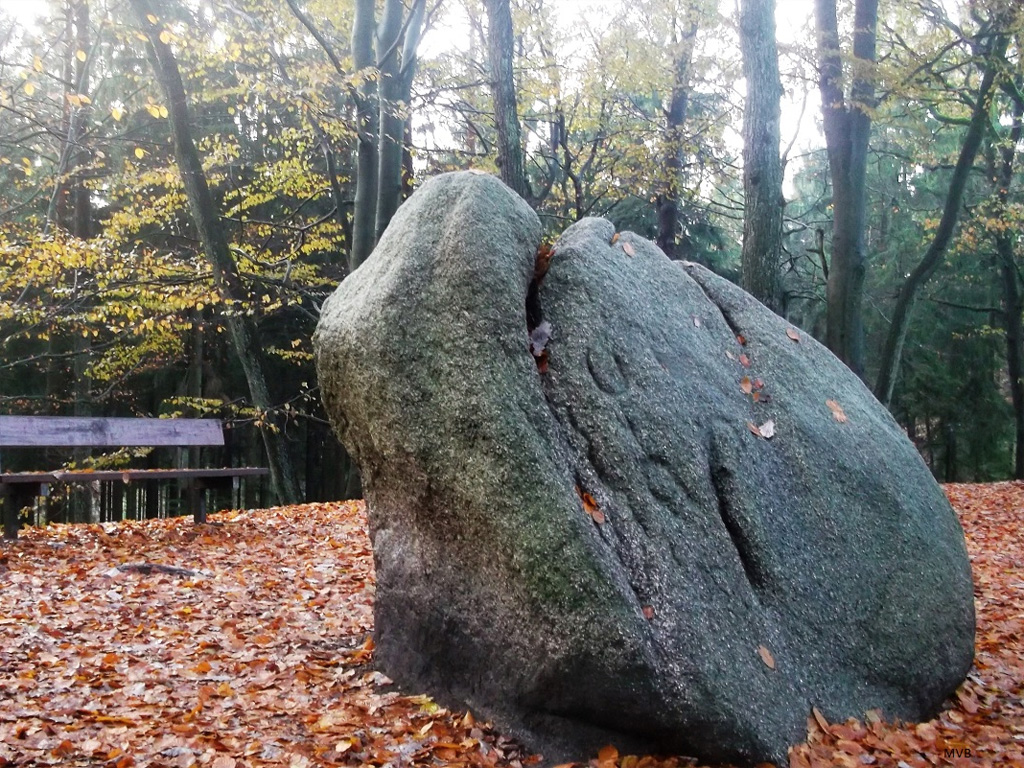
(820,718)
(542,261)
(648,612)
(746,385)
(608,754)
(590,506)
(766,657)
(837,411)
(741,339)
(615,239)
(793,334)
(754,429)
(744,360)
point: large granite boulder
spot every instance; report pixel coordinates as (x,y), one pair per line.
(674,525)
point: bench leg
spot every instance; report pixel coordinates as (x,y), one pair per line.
(196,494)
(16,497)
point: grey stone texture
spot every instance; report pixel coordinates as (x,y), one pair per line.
(726,581)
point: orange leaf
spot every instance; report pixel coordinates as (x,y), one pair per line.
(837,411)
(202,667)
(766,657)
(820,718)
(746,385)
(608,754)
(590,506)
(615,238)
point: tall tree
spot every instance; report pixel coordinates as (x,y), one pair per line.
(992,47)
(215,245)
(367,122)
(397,41)
(1013,303)
(762,166)
(684,33)
(846,120)
(500,42)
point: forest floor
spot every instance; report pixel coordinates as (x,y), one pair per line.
(246,643)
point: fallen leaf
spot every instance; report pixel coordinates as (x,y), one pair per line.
(837,411)
(542,261)
(741,339)
(744,361)
(766,657)
(820,719)
(648,612)
(615,239)
(767,430)
(590,506)
(746,385)
(628,249)
(608,754)
(793,334)
(696,321)
(539,338)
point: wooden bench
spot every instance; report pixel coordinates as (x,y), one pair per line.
(20,489)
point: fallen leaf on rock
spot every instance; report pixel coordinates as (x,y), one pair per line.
(539,338)
(837,411)
(542,261)
(590,506)
(648,612)
(746,385)
(615,238)
(793,334)
(696,321)
(766,657)
(741,339)
(767,430)
(744,361)
(628,249)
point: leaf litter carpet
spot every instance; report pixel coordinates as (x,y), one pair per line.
(246,643)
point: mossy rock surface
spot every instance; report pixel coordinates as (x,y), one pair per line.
(681,530)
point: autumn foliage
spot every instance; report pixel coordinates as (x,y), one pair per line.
(247,643)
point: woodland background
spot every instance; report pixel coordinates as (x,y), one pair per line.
(182,183)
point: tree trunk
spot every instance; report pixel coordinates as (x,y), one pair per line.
(367,120)
(1013,302)
(500,49)
(762,165)
(668,200)
(396,62)
(215,247)
(847,131)
(893,349)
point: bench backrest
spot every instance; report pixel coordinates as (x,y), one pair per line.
(100,432)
